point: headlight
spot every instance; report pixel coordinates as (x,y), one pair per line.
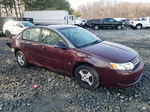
(122,66)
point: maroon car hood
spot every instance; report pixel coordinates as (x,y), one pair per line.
(111,51)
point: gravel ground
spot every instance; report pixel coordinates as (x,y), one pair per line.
(58,93)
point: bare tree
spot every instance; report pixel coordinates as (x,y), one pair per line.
(114,8)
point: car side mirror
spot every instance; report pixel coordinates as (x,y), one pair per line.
(62,46)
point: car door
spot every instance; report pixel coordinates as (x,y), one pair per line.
(54,57)
(108,22)
(10,27)
(105,22)
(112,22)
(144,22)
(30,45)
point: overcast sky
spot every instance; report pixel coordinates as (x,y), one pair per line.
(76,3)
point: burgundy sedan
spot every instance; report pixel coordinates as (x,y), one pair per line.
(78,53)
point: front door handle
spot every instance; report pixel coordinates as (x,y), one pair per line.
(43,47)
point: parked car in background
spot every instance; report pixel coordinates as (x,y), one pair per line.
(3,20)
(107,23)
(78,53)
(140,23)
(125,21)
(15,27)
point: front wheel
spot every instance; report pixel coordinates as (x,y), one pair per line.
(87,77)
(21,59)
(138,27)
(119,27)
(8,34)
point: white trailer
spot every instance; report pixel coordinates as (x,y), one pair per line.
(49,17)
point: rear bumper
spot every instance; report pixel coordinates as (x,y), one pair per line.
(118,79)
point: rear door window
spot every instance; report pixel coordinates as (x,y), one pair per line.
(112,20)
(109,20)
(106,20)
(32,34)
(19,25)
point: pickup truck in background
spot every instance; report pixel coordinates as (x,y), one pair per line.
(107,23)
(140,23)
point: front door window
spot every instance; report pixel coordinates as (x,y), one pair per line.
(50,37)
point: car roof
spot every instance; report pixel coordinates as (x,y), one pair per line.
(16,21)
(57,27)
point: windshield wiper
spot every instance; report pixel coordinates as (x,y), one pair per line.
(96,42)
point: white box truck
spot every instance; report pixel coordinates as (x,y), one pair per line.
(49,17)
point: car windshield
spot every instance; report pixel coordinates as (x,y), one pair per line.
(28,24)
(80,37)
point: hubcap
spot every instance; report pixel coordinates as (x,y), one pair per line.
(119,27)
(20,59)
(86,76)
(8,34)
(96,27)
(138,27)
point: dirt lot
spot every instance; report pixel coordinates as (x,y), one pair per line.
(58,93)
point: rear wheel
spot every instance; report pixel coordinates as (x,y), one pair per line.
(8,34)
(96,27)
(21,59)
(139,27)
(87,77)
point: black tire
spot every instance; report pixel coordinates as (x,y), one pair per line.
(119,27)
(96,27)
(139,26)
(20,57)
(8,34)
(94,78)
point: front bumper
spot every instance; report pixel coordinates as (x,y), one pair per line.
(8,44)
(132,26)
(120,79)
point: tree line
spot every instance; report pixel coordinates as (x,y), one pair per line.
(114,9)
(16,8)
